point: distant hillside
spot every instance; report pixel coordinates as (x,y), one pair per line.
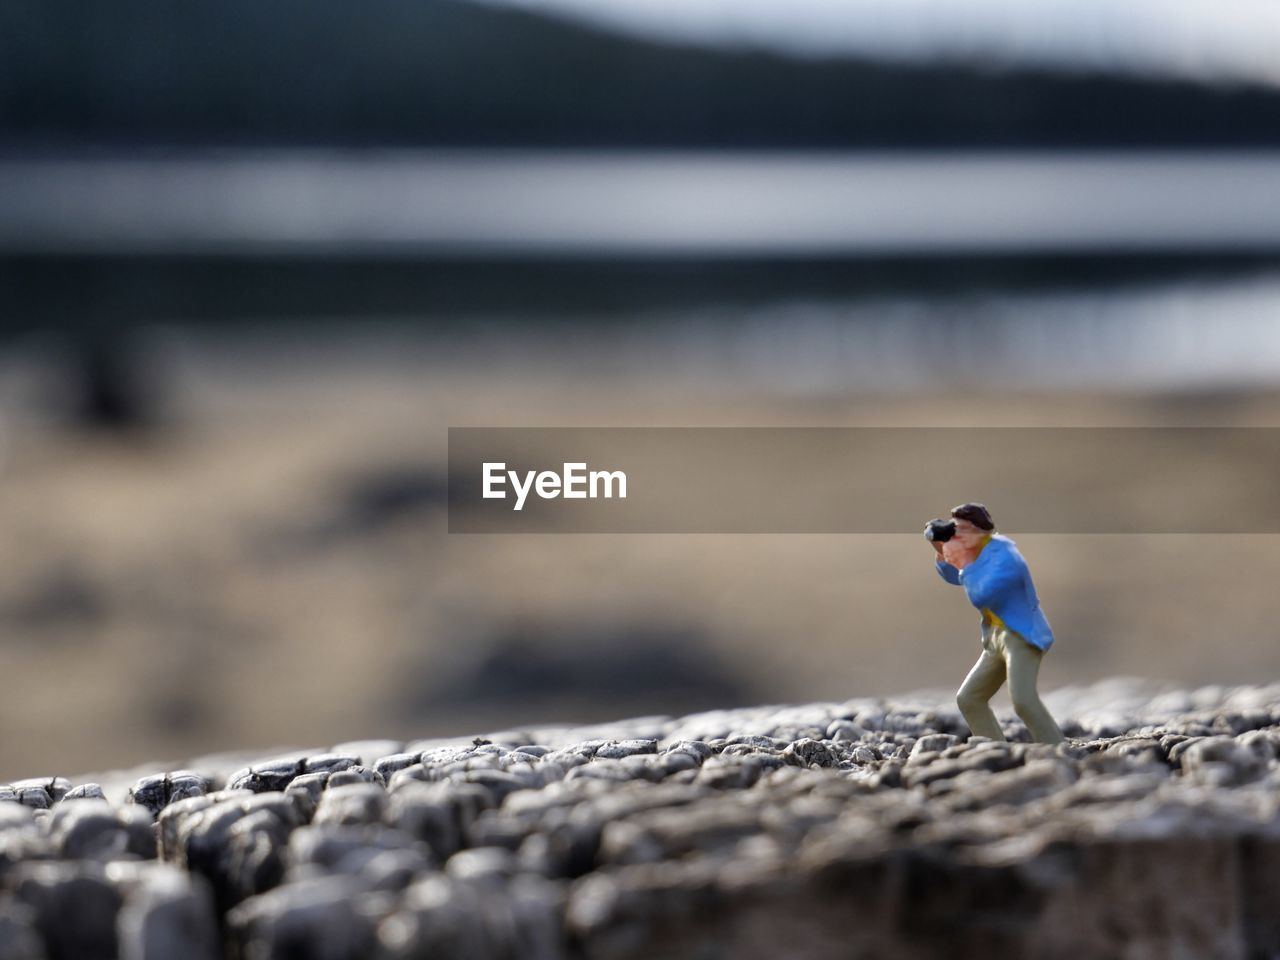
(449,73)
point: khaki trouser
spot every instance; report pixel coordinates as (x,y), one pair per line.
(1005,653)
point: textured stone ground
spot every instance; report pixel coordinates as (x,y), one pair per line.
(867,828)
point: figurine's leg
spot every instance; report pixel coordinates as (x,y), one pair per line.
(1024,670)
(980,686)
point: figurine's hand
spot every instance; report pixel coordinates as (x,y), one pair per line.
(955,554)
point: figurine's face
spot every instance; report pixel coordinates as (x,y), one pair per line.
(968,535)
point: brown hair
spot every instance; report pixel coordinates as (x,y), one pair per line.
(975,513)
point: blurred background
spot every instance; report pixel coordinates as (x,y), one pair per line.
(255,259)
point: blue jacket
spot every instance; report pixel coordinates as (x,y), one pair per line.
(999,581)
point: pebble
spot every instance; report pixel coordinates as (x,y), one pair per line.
(157,792)
(168,913)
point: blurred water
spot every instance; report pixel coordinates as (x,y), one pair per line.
(641,204)
(1165,335)
(788,272)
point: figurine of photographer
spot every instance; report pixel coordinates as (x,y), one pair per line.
(1015,633)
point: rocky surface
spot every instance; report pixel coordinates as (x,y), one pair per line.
(867,828)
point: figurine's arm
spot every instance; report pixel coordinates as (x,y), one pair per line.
(947,572)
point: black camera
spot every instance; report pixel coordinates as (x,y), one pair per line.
(940,531)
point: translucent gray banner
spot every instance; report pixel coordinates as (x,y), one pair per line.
(862,479)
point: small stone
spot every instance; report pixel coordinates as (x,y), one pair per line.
(617,749)
(353,803)
(176,819)
(438,813)
(1221,761)
(19,938)
(88,831)
(386,766)
(722,775)
(933,743)
(58,891)
(53,788)
(863,754)
(318,918)
(238,844)
(482,863)
(810,752)
(157,792)
(845,731)
(305,791)
(85,791)
(328,763)
(355,774)
(170,914)
(268,776)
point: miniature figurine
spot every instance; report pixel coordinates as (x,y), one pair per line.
(1015,633)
